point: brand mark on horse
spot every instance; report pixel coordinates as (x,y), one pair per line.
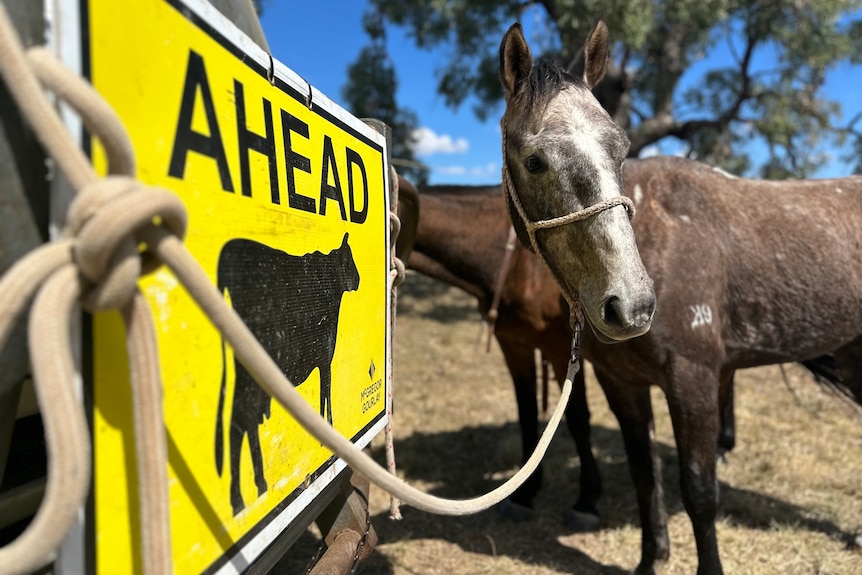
(702,315)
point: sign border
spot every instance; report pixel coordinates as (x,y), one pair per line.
(206,17)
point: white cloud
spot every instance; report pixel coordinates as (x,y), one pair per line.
(649,151)
(427,143)
(451,170)
(489,169)
(653,150)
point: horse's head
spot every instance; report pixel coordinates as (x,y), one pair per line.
(563,155)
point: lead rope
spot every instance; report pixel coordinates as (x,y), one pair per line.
(98,263)
(494,312)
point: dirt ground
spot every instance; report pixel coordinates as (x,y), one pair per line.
(791,490)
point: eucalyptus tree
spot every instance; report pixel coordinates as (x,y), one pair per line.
(665,80)
(370,93)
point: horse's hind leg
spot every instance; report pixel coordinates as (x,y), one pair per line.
(632,408)
(849,362)
(727,432)
(692,397)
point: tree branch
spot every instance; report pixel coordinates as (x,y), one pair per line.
(663,124)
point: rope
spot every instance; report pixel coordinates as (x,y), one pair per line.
(98,263)
(494,312)
(396,277)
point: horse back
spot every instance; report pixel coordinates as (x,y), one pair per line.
(756,270)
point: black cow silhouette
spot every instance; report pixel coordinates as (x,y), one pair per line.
(291,304)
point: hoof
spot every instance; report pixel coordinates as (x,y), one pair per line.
(508,509)
(581,521)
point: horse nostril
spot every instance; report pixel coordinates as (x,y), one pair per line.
(611,312)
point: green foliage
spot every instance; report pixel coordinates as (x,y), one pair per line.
(772,90)
(370,93)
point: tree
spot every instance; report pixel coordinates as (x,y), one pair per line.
(370,93)
(771,90)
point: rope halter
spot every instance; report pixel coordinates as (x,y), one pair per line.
(531,226)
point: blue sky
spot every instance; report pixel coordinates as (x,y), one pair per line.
(319,39)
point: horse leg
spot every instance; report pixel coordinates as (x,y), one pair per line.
(584,514)
(520,360)
(727,432)
(633,410)
(692,397)
(849,362)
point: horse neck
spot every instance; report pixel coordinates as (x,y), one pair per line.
(462,237)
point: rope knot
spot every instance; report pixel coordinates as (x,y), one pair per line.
(399,271)
(104,221)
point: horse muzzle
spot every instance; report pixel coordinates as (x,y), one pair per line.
(623,318)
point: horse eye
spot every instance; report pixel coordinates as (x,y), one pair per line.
(534,165)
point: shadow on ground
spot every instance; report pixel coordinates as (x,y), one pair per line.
(461,464)
(424,297)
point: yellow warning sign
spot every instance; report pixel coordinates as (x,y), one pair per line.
(288,215)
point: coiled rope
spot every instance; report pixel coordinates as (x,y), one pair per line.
(97,263)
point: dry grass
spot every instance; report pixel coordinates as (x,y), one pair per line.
(791,490)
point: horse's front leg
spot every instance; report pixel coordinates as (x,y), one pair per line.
(693,401)
(584,514)
(521,361)
(632,407)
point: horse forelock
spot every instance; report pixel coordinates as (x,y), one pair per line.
(545,81)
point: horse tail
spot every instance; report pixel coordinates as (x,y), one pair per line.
(826,372)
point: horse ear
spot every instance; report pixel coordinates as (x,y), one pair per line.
(596,55)
(516,61)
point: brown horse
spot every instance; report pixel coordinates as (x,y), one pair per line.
(747,273)
(407,209)
(460,240)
